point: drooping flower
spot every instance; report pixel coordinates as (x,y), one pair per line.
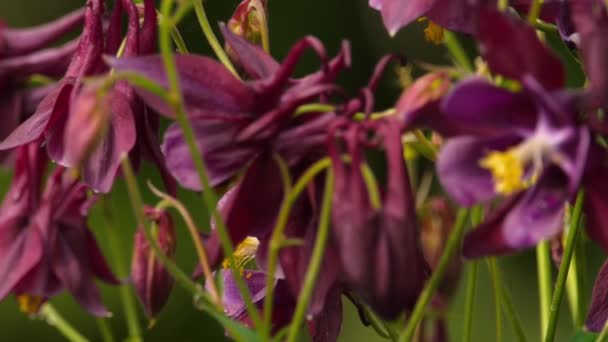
(376,235)
(151,280)
(527,146)
(45,244)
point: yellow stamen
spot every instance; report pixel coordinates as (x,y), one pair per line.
(245,251)
(29,304)
(433,33)
(507,171)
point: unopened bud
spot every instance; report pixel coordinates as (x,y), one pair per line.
(151,280)
(250,21)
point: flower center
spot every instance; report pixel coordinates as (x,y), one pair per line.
(29,304)
(510,169)
(244,253)
(433,32)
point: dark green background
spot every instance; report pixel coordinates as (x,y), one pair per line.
(331,21)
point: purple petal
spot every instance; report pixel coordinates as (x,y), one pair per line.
(455,15)
(206,84)
(54,105)
(24,254)
(598,311)
(328,323)
(254,60)
(477,107)
(102,165)
(459,171)
(399,13)
(234,306)
(512,49)
(596,205)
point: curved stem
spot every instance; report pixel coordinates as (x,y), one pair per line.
(208,32)
(456,50)
(510,312)
(543,260)
(451,247)
(169,201)
(105,330)
(129,303)
(562,275)
(476,218)
(534,11)
(315,261)
(277,237)
(54,319)
(174,99)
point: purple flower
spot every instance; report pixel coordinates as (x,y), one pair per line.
(456,15)
(527,146)
(376,238)
(151,280)
(129,123)
(598,310)
(45,244)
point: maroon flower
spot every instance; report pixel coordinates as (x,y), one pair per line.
(45,244)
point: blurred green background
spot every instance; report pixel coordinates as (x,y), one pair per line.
(331,21)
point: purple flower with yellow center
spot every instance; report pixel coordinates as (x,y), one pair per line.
(45,244)
(527,146)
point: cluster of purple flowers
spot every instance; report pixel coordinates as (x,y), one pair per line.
(513,140)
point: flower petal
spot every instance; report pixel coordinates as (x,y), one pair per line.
(256,62)
(598,311)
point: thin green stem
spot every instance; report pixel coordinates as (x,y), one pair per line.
(129,303)
(277,236)
(211,38)
(209,196)
(138,209)
(315,261)
(562,275)
(476,217)
(314,108)
(451,247)
(470,301)
(511,314)
(105,330)
(496,285)
(543,260)
(457,51)
(534,11)
(603,336)
(55,319)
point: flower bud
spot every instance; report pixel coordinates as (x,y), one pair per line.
(151,280)
(250,22)
(85,126)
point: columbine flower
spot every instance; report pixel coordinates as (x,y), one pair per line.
(456,15)
(46,246)
(151,280)
(376,235)
(324,325)
(527,146)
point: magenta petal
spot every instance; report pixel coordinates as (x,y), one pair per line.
(399,13)
(24,254)
(55,103)
(598,312)
(459,171)
(512,49)
(328,323)
(102,165)
(206,84)
(455,15)
(76,278)
(596,206)
(234,306)
(254,60)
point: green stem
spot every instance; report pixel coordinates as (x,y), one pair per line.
(562,275)
(277,237)
(208,32)
(138,209)
(105,330)
(476,217)
(543,260)
(210,198)
(603,336)
(129,303)
(510,312)
(450,250)
(55,319)
(315,261)
(496,285)
(453,45)
(534,11)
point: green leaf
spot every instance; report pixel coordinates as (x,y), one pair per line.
(584,336)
